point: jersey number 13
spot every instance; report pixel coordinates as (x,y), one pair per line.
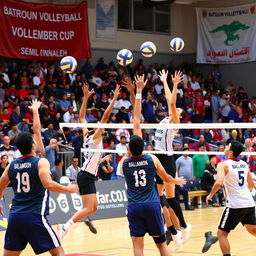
(140,178)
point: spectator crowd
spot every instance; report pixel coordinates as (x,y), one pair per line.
(204,99)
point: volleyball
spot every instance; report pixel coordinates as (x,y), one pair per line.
(124,57)
(148,49)
(68,64)
(177,44)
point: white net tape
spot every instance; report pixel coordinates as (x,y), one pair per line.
(162,126)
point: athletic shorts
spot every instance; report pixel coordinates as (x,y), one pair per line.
(231,218)
(30,228)
(169,164)
(145,218)
(86,183)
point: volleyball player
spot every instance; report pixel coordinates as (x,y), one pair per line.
(234,174)
(86,177)
(30,178)
(144,210)
(163,142)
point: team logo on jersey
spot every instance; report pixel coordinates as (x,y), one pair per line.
(63,203)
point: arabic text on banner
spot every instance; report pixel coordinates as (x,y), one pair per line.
(226,35)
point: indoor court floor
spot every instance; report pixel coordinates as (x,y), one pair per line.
(113,238)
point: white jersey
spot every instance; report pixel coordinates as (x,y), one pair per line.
(236,187)
(91,159)
(164,137)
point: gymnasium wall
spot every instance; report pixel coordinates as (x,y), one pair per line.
(183,24)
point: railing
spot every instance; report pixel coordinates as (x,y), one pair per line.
(211,145)
(66,157)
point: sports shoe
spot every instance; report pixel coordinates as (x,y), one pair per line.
(209,241)
(168,236)
(60,231)
(88,223)
(186,233)
(177,240)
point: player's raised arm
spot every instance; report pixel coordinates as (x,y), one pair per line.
(97,137)
(222,170)
(130,88)
(47,182)
(171,97)
(82,113)
(140,84)
(37,125)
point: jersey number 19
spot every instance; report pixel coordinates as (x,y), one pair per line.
(140,178)
(23,182)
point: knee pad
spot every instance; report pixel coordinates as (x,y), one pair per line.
(162,201)
(159,239)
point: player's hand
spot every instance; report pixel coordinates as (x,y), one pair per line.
(59,142)
(87,92)
(180,181)
(139,81)
(208,198)
(177,78)
(128,84)
(72,188)
(117,92)
(36,104)
(108,157)
(163,75)
(1,211)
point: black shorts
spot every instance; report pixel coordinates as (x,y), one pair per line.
(169,164)
(231,218)
(86,183)
(145,218)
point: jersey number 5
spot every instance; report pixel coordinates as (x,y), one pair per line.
(140,178)
(241,178)
(23,182)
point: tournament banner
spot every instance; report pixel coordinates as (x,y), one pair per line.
(3,219)
(111,197)
(226,35)
(43,31)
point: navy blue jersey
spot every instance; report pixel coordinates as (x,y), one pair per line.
(140,175)
(29,194)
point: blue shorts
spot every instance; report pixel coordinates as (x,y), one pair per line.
(145,218)
(30,228)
